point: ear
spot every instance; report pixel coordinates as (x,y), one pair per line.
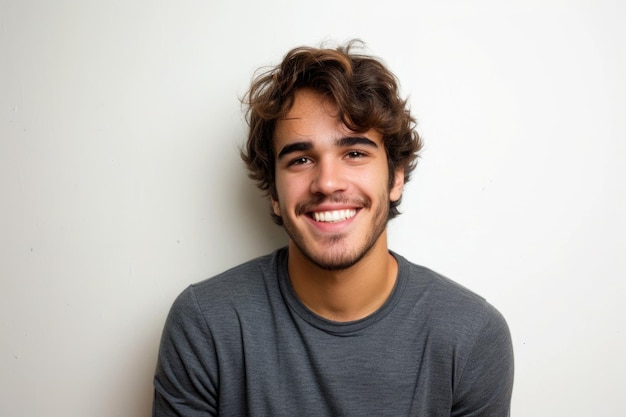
(398,184)
(275,207)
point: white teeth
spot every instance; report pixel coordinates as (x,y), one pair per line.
(333,216)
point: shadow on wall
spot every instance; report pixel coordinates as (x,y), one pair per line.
(130,389)
(143,404)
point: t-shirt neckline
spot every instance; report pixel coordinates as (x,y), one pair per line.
(330,326)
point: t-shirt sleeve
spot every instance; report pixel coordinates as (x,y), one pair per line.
(485,385)
(185,382)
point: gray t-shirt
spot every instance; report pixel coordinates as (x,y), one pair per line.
(242,344)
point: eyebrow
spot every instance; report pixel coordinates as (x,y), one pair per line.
(342,142)
(356,140)
(294,147)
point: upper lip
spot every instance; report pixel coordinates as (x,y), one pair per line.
(328,207)
(330,204)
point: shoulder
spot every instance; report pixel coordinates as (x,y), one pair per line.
(460,324)
(239,279)
(448,304)
(240,287)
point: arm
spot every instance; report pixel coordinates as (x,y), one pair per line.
(185,381)
(485,385)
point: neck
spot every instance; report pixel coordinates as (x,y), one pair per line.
(348,294)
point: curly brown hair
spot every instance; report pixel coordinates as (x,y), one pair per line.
(365,92)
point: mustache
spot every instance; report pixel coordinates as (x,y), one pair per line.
(313,202)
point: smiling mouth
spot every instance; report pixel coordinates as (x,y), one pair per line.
(333,216)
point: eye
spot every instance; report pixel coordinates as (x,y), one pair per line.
(355,154)
(302,160)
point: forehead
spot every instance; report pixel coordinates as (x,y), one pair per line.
(313,117)
(308,104)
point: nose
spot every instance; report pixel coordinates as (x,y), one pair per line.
(329,177)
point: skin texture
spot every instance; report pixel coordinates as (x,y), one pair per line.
(342,269)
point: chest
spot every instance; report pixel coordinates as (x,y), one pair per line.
(288,367)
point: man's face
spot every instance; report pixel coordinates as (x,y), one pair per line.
(332,184)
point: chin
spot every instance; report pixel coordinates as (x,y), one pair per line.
(334,258)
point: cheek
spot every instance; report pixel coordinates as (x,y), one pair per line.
(373,180)
(285,191)
(293,183)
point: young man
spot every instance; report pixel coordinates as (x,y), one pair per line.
(334,324)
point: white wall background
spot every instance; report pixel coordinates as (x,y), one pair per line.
(120,180)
